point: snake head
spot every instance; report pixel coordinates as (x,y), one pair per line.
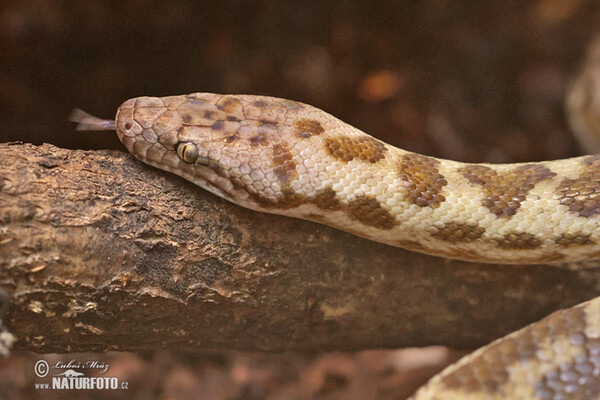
(226,144)
(246,149)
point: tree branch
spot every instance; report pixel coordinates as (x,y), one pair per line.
(101,252)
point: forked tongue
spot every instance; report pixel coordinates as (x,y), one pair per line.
(87,122)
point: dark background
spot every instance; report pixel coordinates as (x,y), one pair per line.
(465,80)
(470,80)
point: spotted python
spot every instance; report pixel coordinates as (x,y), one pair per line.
(284,157)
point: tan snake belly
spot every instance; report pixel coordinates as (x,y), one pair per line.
(284,157)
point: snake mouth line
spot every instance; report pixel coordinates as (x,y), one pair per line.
(202,180)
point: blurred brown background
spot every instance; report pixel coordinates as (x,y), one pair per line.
(466,80)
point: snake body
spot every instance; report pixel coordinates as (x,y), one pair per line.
(284,157)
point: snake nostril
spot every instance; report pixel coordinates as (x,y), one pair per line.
(128,125)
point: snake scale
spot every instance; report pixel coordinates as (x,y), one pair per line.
(284,157)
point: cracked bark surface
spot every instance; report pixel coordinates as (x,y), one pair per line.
(101,252)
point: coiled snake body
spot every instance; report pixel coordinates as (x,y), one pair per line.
(284,157)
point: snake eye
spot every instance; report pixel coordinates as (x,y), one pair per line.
(187,151)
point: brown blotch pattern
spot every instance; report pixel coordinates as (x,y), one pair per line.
(231,138)
(368,211)
(327,200)
(567,240)
(570,381)
(258,140)
(519,241)
(481,375)
(422,180)
(217,126)
(582,194)
(579,379)
(305,128)
(283,164)
(505,191)
(290,199)
(237,183)
(457,232)
(365,209)
(364,148)
(231,106)
(487,373)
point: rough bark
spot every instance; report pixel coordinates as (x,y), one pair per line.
(101,252)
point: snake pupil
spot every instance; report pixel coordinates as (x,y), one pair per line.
(188,152)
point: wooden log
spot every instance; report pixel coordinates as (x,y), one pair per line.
(101,252)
